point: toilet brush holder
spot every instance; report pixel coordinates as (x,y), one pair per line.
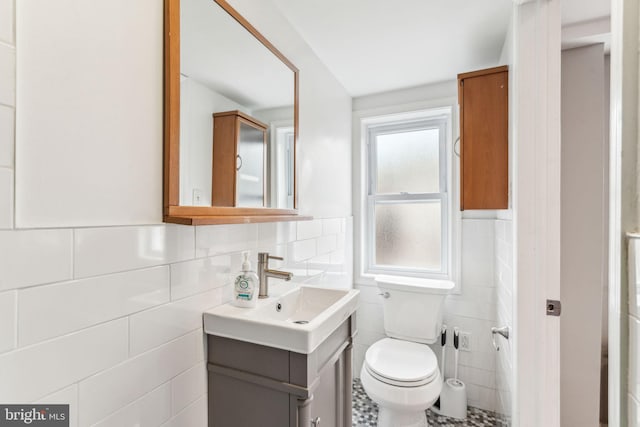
(453,399)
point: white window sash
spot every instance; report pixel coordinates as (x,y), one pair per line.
(374,199)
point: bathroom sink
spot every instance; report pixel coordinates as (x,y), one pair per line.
(297,318)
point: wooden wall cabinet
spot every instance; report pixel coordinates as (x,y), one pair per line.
(239,160)
(484,139)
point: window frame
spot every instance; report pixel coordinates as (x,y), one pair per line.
(374,198)
(441,117)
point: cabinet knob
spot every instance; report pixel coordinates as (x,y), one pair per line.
(315,422)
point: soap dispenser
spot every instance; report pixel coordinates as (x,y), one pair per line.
(246,285)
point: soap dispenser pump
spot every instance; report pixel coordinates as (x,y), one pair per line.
(246,285)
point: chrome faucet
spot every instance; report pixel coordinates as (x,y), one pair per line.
(264,273)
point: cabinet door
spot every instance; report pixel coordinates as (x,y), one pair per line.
(250,182)
(237,403)
(328,398)
(484,149)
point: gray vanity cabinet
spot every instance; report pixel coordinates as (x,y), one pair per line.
(251,385)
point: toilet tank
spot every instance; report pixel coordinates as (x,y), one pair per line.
(413,307)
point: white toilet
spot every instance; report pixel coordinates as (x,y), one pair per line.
(400,373)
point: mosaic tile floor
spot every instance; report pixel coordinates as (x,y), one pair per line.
(365,413)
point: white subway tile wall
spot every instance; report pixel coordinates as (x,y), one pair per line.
(6,21)
(29,373)
(473,311)
(6,198)
(504,305)
(66,396)
(309,230)
(7,74)
(54,310)
(32,257)
(114,249)
(188,387)
(7,117)
(634,331)
(152,328)
(634,411)
(112,389)
(6,136)
(8,320)
(115,313)
(152,409)
(193,415)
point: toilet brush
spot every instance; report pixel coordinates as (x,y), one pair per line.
(456,341)
(453,397)
(443,343)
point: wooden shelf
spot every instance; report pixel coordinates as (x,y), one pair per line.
(235,219)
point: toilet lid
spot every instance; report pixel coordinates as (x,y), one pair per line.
(401,361)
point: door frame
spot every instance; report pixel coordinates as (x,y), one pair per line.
(623,208)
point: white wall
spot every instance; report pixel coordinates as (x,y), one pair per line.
(108,319)
(89,116)
(324,157)
(196,138)
(583,232)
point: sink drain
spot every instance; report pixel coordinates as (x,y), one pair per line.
(301,322)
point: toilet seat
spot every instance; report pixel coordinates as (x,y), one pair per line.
(401,363)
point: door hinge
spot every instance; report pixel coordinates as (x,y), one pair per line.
(554,307)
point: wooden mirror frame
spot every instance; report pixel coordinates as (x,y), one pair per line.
(202,215)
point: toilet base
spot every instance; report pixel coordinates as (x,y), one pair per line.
(390,418)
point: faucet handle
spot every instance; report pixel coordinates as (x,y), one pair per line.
(264,257)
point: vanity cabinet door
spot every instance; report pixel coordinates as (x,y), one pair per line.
(332,397)
(234,402)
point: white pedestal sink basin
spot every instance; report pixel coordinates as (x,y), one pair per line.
(296,318)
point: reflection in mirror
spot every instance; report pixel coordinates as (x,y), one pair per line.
(237,136)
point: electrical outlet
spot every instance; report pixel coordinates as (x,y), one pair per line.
(465,341)
(197,196)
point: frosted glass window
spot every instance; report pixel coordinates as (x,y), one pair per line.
(408,162)
(409,235)
(408,205)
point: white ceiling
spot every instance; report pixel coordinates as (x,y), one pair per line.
(375,46)
(574,11)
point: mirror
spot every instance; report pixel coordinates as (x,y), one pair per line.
(230,116)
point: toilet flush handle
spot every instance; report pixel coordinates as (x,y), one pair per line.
(384,294)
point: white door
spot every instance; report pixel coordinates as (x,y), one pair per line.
(536,202)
